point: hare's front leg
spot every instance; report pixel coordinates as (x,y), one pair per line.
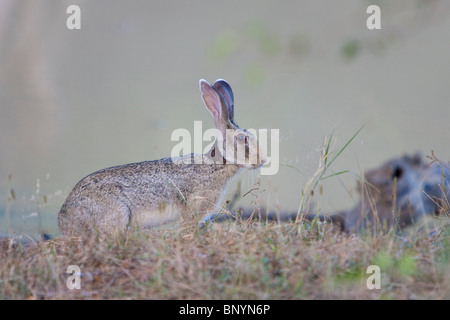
(215,217)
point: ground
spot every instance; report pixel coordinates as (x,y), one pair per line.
(233,260)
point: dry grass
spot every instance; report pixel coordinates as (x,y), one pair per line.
(235,260)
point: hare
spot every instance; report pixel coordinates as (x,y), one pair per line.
(151,193)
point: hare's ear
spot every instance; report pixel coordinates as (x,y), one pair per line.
(215,104)
(225,90)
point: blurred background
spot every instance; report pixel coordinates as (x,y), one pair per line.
(76,101)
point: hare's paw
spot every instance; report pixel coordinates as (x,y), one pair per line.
(214,217)
(207,220)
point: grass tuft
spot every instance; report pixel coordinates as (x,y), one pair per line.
(228,261)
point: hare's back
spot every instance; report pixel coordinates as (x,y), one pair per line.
(129,180)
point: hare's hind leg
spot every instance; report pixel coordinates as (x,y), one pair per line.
(105,216)
(111,217)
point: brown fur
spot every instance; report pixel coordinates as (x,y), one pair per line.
(151,193)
